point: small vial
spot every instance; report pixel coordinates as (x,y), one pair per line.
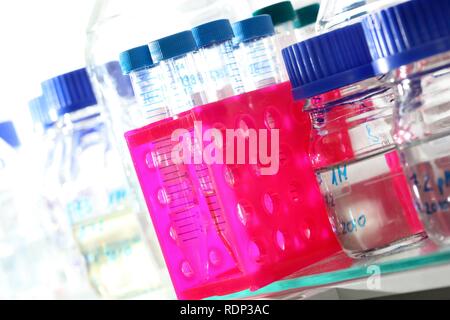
(284,19)
(183,80)
(421,75)
(222,78)
(147,83)
(351,148)
(306,20)
(256,52)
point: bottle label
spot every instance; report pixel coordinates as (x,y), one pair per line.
(371,136)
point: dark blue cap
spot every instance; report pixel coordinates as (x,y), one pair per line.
(213,32)
(254,28)
(173,46)
(329,61)
(40,113)
(408,32)
(8,134)
(135,59)
(69,92)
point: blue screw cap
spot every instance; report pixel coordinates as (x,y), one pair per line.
(135,59)
(330,61)
(408,32)
(173,46)
(69,92)
(40,113)
(254,28)
(8,134)
(214,32)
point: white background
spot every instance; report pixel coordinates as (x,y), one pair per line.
(39,39)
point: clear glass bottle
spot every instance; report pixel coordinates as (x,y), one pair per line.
(95,195)
(335,14)
(256,52)
(421,74)
(217,60)
(352,150)
(63,261)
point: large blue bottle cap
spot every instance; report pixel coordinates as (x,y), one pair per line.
(330,61)
(408,32)
(254,28)
(69,92)
(40,113)
(173,46)
(213,32)
(135,59)
(8,134)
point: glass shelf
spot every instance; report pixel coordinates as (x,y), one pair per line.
(340,268)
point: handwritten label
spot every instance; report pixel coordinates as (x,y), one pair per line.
(429,188)
(353,225)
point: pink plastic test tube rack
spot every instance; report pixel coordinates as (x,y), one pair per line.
(226,227)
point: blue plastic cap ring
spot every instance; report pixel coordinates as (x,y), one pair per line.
(408,32)
(330,61)
(173,46)
(135,59)
(69,92)
(214,32)
(254,28)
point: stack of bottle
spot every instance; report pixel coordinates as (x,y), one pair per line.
(86,190)
(247,183)
(225,224)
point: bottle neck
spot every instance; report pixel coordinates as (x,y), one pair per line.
(351,123)
(349,102)
(81,119)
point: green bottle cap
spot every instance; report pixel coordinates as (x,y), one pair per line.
(307,15)
(279,12)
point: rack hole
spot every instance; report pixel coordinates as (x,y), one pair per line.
(280,240)
(271,119)
(186,269)
(214,257)
(270,202)
(294,193)
(244,211)
(254,251)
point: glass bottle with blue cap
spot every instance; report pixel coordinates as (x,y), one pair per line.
(419,66)
(182,78)
(352,149)
(24,246)
(102,211)
(216,58)
(256,52)
(63,256)
(147,82)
